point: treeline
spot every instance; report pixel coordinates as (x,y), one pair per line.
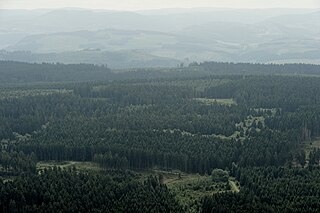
(27,114)
(136,94)
(222,68)
(285,92)
(108,161)
(85,141)
(19,72)
(56,190)
(142,149)
(15,163)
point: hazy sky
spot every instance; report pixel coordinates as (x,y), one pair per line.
(156,4)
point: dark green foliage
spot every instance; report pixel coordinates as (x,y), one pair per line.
(304,119)
(270,189)
(59,190)
(13,163)
(111,161)
(172,123)
(144,124)
(19,72)
(287,93)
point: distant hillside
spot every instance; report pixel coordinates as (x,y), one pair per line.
(264,35)
(118,59)
(110,40)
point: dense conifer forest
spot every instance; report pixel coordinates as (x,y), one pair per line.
(211,137)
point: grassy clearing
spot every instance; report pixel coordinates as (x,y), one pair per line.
(82,166)
(209,101)
(234,185)
(191,188)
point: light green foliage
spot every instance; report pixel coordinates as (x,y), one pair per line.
(251,120)
(81,166)
(234,185)
(219,175)
(191,188)
(247,124)
(20,93)
(209,101)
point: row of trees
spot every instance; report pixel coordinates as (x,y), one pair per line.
(146,149)
(19,72)
(285,92)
